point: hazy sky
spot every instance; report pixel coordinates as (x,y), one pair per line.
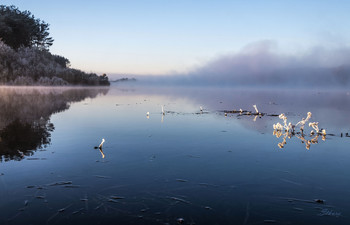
(163,36)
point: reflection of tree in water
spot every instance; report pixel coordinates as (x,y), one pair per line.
(22,139)
(25,117)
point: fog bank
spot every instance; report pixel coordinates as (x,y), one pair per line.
(261,64)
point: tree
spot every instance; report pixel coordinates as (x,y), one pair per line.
(22,29)
(62,61)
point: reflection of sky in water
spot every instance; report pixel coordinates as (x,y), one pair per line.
(223,169)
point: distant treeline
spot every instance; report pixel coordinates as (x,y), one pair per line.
(124,79)
(25,58)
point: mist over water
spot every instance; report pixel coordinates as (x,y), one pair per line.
(262,64)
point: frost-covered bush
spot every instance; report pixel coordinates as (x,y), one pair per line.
(23,80)
(54,81)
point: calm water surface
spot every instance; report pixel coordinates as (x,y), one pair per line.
(184,167)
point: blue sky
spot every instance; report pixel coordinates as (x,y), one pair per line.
(160,37)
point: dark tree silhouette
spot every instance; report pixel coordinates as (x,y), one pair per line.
(22,29)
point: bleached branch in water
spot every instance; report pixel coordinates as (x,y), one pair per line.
(284,118)
(256,109)
(101,145)
(314,125)
(288,127)
(278,127)
(303,121)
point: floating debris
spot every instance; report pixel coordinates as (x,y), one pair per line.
(60,183)
(231,111)
(316,201)
(320,201)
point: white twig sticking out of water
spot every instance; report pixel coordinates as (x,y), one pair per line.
(101,145)
(284,118)
(256,109)
(314,125)
(287,126)
(303,121)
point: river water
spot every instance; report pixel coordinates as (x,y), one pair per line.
(186,166)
